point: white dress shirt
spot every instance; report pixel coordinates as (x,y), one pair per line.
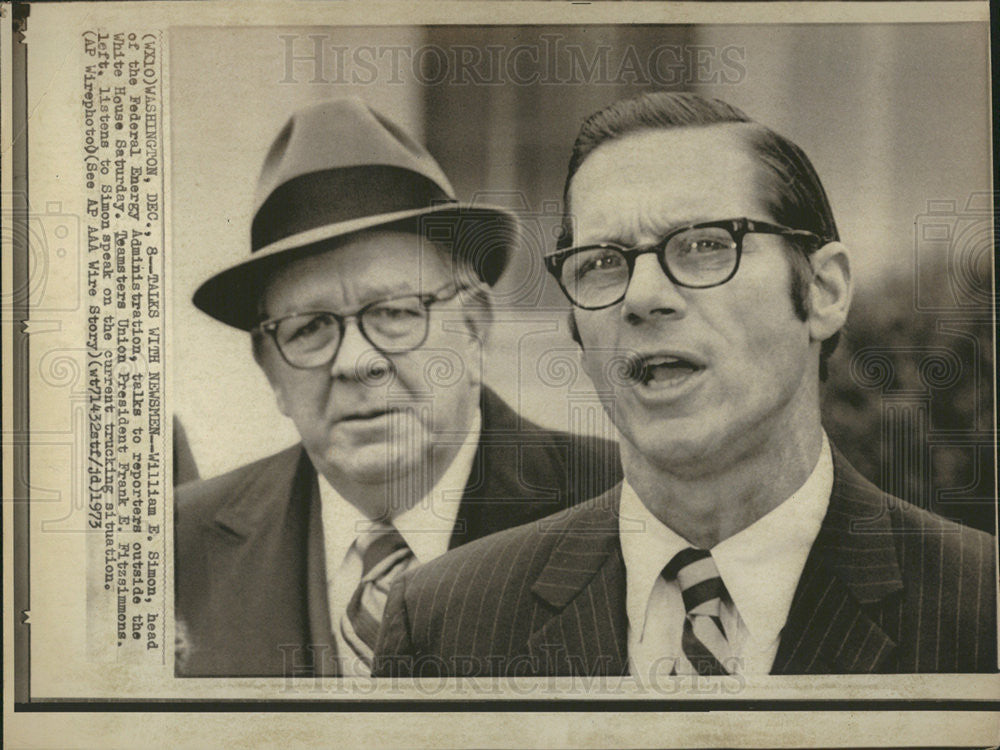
(427,528)
(760,567)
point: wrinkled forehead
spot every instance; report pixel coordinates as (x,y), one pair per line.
(635,188)
(364,267)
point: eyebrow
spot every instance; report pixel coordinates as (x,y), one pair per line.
(387,290)
(373,294)
(660,229)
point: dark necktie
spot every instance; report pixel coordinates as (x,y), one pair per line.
(704,645)
(384,555)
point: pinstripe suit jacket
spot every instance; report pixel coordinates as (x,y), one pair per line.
(250,574)
(887,587)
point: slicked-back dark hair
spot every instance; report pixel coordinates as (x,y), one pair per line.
(795,195)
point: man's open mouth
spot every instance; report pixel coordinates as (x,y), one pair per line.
(662,369)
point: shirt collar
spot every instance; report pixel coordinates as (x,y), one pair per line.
(647,546)
(427,526)
(342,524)
(760,565)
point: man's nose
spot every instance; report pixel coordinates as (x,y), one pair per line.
(650,291)
(356,358)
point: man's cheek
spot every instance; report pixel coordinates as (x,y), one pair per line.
(281,399)
(303,403)
(594,363)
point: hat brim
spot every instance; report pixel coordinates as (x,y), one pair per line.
(483,235)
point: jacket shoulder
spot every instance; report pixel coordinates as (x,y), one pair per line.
(921,538)
(200,499)
(945,619)
(949,577)
(929,549)
(937,546)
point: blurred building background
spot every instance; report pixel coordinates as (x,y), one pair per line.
(895,118)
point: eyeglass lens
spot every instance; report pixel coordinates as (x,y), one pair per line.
(311,339)
(698,257)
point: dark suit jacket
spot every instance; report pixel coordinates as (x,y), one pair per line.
(250,574)
(887,587)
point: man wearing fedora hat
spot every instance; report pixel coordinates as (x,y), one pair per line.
(366,298)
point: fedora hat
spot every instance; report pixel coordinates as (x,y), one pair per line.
(340,167)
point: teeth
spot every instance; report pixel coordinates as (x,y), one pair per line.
(661,373)
(663,369)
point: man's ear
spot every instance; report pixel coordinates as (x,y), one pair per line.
(478,324)
(830,290)
(477,311)
(479,320)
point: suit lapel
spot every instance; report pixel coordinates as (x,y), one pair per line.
(850,575)
(852,568)
(273,569)
(582,586)
(321,638)
(500,493)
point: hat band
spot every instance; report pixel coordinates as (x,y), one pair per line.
(338,195)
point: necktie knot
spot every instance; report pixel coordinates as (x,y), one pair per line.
(376,546)
(701,586)
(384,555)
(704,642)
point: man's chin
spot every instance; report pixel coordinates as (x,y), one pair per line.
(674,450)
(375,464)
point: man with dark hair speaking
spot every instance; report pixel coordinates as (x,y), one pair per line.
(366,297)
(708,287)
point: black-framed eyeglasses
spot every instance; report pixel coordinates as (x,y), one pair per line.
(697,256)
(395,325)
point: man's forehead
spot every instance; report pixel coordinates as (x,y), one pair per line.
(368,265)
(681,146)
(663,177)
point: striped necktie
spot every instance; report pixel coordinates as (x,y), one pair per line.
(706,650)
(384,555)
